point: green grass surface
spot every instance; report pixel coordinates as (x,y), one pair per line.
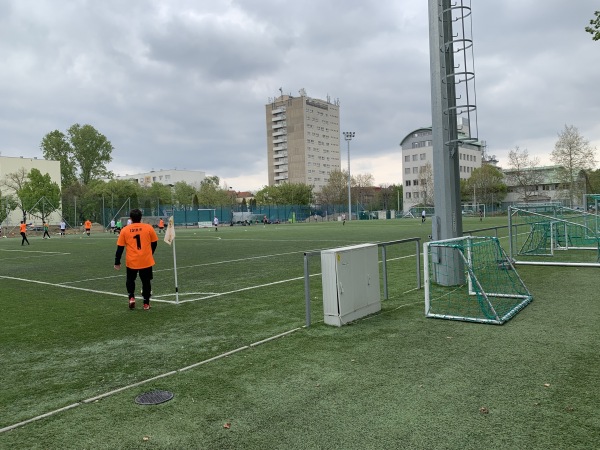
(393,380)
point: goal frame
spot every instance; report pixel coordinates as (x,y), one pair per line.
(473,282)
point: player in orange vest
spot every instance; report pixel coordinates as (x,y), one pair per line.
(88,227)
(23,231)
(139,241)
(161,225)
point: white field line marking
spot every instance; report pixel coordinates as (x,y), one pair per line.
(72,287)
(148,380)
(34,251)
(190,267)
(206,296)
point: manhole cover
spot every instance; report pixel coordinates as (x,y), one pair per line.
(154,397)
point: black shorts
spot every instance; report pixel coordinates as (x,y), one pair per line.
(145,274)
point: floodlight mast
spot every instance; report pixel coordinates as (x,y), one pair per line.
(348,135)
(446,77)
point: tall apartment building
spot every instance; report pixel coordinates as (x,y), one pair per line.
(417,163)
(303,140)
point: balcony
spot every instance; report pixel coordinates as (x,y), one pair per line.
(278,118)
(279,125)
(279,110)
(281,132)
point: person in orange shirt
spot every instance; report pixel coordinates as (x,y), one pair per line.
(23,231)
(88,227)
(161,225)
(139,241)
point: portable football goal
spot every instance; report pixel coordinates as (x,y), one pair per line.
(553,235)
(487,289)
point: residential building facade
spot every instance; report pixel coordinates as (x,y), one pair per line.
(417,164)
(167,177)
(303,140)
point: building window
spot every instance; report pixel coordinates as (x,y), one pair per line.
(415,182)
(414,157)
(416,195)
(407,183)
(407,158)
(415,170)
(408,195)
(422,155)
(407,170)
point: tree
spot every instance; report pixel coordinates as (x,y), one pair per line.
(363,184)
(487,185)
(8,203)
(335,191)
(183,193)
(523,174)
(15,181)
(40,195)
(426,185)
(55,146)
(285,194)
(573,153)
(211,194)
(83,153)
(593,177)
(594,29)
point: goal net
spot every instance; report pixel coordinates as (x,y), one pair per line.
(205,217)
(553,235)
(487,289)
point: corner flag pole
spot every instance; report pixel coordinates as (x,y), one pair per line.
(170,239)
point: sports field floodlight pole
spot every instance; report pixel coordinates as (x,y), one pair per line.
(348,135)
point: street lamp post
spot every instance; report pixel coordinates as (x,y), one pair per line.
(348,135)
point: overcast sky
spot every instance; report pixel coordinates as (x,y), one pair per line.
(183,83)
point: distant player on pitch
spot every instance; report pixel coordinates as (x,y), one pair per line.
(139,240)
(88,227)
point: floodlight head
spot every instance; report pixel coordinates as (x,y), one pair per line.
(348,135)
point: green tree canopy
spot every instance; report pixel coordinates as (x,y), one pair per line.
(594,28)
(183,193)
(83,153)
(486,184)
(285,194)
(8,203)
(40,195)
(335,192)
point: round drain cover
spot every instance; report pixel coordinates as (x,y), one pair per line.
(154,397)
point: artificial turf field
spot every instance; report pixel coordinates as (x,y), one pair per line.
(392,380)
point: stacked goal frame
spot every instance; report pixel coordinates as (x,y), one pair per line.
(471,278)
(553,235)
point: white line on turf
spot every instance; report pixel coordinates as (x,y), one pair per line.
(45,283)
(34,251)
(148,380)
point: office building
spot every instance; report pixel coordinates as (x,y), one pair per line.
(417,163)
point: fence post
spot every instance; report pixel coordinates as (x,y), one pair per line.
(384,261)
(306,290)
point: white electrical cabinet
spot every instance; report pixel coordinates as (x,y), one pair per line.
(350,283)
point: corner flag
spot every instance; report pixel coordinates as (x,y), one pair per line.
(170,233)
(170,239)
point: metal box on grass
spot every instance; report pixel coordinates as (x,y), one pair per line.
(350,278)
